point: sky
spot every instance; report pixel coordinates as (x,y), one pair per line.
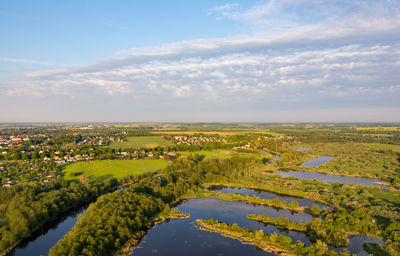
(200,61)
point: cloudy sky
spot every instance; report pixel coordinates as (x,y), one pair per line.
(206,60)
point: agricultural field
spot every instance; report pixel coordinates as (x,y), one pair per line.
(381,146)
(100,170)
(224,154)
(141,142)
(386,129)
(195,132)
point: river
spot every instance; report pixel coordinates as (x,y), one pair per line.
(45,238)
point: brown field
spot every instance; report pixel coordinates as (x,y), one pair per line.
(195,132)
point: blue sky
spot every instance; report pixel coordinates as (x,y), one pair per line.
(266,61)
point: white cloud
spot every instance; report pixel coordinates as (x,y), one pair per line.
(222,8)
(24,61)
(349,62)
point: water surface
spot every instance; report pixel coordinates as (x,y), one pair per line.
(331,178)
(182,237)
(266,195)
(317,162)
(303,149)
(357,242)
(277,157)
(42,240)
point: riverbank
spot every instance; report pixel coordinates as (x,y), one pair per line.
(84,202)
(132,243)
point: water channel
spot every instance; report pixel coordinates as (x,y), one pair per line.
(328,178)
(45,238)
(331,178)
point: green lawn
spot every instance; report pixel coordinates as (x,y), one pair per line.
(141,142)
(381,146)
(100,170)
(223,154)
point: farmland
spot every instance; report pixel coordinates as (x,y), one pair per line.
(381,146)
(101,170)
(141,142)
(223,154)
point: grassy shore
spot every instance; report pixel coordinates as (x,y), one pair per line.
(275,243)
(280,222)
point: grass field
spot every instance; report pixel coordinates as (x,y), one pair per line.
(223,154)
(141,142)
(100,170)
(195,132)
(380,146)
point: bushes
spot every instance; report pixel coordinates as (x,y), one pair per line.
(275,243)
(336,225)
(280,222)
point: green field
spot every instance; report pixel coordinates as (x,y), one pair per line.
(380,146)
(222,154)
(141,142)
(100,170)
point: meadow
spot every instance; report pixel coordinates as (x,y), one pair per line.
(194,132)
(381,146)
(224,154)
(100,170)
(141,142)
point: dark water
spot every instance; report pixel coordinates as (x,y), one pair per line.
(266,195)
(303,149)
(357,242)
(318,161)
(42,240)
(182,237)
(277,157)
(330,178)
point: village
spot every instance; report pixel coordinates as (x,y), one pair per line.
(194,140)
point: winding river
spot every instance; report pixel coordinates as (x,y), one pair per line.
(328,178)
(45,238)
(331,178)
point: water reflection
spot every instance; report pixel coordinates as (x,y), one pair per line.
(42,240)
(266,195)
(303,149)
(331,178)
(182,237)
(318,161)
